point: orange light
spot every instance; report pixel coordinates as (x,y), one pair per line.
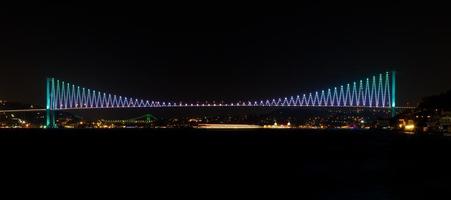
(409,127)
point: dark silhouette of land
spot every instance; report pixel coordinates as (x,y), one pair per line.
(441,101)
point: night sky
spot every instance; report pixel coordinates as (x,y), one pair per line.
(219,52)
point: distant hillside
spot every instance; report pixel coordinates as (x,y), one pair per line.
(442,101)
(8,105)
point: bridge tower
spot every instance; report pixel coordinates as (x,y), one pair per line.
(50,119)
(393,93)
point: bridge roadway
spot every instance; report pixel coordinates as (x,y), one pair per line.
(190,106)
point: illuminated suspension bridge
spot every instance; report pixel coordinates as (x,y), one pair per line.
(378,91)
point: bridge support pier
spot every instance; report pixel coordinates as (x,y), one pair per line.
(51,119)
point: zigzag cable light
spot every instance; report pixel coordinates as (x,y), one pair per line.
(374,92)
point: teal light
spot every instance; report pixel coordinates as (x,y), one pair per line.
(50,100)
(393,89)
(47,92)
(393,99)
(47,107)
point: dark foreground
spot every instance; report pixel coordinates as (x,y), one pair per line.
(316,164)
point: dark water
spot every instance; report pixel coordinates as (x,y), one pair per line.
(214,163)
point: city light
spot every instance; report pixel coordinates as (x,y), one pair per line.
(409,127)
(228,126)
